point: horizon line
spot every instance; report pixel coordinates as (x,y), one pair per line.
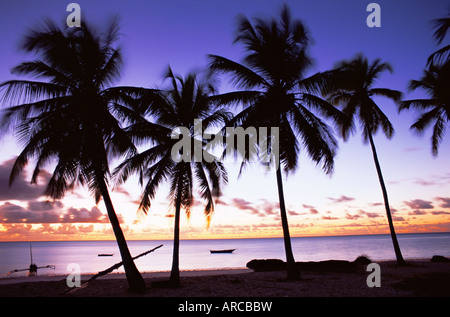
(250,238)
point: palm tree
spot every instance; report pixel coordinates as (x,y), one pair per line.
(441,27)
(178,108)
(274,92)
(354,93)
(436,82)
(71,117)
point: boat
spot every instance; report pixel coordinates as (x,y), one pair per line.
(222,251)
(105,254)
(32,270)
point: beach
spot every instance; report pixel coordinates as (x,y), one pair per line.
(420,278)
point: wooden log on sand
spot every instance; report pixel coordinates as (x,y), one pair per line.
(110,269)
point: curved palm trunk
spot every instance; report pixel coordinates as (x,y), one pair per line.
(134,278)
(291,269)
(398,253)
(175,272)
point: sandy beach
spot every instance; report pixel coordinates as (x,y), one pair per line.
(420,278)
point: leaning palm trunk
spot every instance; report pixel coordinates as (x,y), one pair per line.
(398,253)
(175,272)
(134,278)
(291,268)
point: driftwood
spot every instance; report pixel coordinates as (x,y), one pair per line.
(117,265)
(110,269)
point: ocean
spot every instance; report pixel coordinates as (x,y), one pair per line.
(195,254)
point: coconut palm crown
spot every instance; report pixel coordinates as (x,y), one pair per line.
(274,92)
(69,118)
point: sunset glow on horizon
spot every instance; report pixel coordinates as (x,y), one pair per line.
(155,34)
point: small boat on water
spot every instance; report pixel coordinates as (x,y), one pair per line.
(222,251)
(105,254)
(32,270)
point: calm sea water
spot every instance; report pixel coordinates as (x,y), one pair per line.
(194,254)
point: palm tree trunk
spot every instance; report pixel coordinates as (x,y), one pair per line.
(291,268)
(135,281)
(175,272)
(398,253)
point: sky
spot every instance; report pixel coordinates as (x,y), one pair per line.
(180,33)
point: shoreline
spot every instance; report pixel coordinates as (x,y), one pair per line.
(155,274)
(420,278)
(121,275)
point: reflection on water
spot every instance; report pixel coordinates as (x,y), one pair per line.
(195,254)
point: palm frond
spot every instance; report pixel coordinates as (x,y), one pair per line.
(316,137)
(440,56)
(16,92)
(422,104)
(38,68)
(376,68)
(384,122)
(318,84)
(426,119)
(235,98)
(241,76)
(438,134)
(323,107)
(156,174)
(395,95)
(204,188)
(441,27)
(110,71)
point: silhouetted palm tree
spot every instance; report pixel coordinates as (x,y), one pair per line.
(441,27)
(436,82)
(71,117)
(354,94)
(186,101)
(275,93)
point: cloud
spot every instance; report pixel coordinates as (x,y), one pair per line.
(329,218)
(266,208)
(435,213)
(21,189)
(44,205)
(27,230)
(434,180)
(362,213)
(412,149)
(50,212)
(11,213)
(243,204)
(419,204)
(313,211)
(423,182)
(352,217)
(9,207)
(84,215)
(122,190)
(371,214)
(294,213)
(417,212)
(341,199)
(270,207)
(445,202)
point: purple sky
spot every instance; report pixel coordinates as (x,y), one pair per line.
(182,32)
